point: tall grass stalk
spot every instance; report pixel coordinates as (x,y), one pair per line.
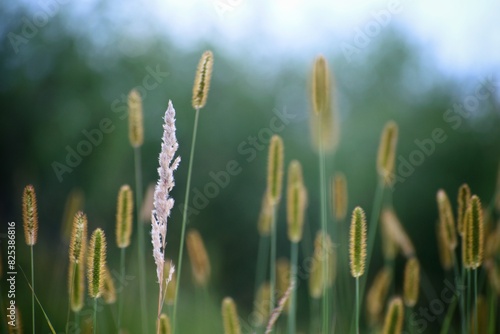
(475,302)
(95,316)
(468,305)
(140,238)
(184,220)
(273,262)
(120,303)
(262,258)
(33,294)
(323,213)
(357,305)
(293,278)
(71,287)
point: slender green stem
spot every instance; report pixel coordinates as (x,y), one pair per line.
(467,306)
(272,261)
(293,278)
(33,292)
(120,302)
(71,286)
(323,215)
(462,278)
(357,305)
(449,316)
(475,302)
(140,238)
(95,316)
(77,320)
(262,257)
(184,219)
(492,308)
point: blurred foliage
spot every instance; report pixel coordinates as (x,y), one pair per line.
(61,84)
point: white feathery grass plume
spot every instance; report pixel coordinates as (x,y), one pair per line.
(162,202)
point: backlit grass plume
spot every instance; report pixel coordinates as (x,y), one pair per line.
(230,317)
(74,203)
(387,152)
(96,262)
(200,264)
(463,203)
(357,242)
(165,327)
(411,282)
(163,203)
(446,220)
(320,86)
(339,196)
(124,214)
(296,201)
(275,169)
(202,80)
(377,294)
(77,252)
(473,235)
(393,323)
(135,121)
(30,215)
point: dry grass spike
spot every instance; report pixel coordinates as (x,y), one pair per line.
(200,264)
(275,169)
(96,263)
(473,249)
(124,212)
(387,152)
(357,242)
(463,203)
(320,86)
(411,283)
(446,219)
(230,317)
(30,215)
(135,121)
(393,323)
(202,80)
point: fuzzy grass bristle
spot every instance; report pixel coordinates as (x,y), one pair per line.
(200,264)
(377,294)
(446,219)
(411,283)
(387,152)
(96,263)
(230,317)
(463,203)
(275,169)
(78,242)
(339,196)
(320,86)
(357,242)
(393,323)
(135,121)
(30,215)
(473,235)
(124,212)
(202,80)
(165,327)
(296,201)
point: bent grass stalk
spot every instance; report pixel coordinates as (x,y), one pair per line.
(200,95)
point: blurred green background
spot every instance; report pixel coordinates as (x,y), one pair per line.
(77,68)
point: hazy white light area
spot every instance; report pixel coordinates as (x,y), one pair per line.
(458,36)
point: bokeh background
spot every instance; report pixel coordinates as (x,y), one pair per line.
(66,65)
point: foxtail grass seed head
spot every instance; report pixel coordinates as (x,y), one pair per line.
(230,317)
(202,80)
(473,235)
(320,86)
(108,288)
(275,169)
(396,232)
(135,121)
(124,212)
(282,278)
(30,215)
(389,246)
(200,264)
(411,282)
(393,323)
(76,284)
(446,219)
(165,327)
(74,203)
(296,201)
(163,203)
(377,294)
(78,242)
(262,303)
(357,242)
(96,263)
(446,255)
(170,292)
(463,204)
(339,196)
(322,245)
(387,152)
(265,217)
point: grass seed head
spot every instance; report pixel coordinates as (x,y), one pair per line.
(446,255)
(393,323)
(357,242)
(108,288)
(473,235)
(296,201)
(411,283)
(463,203)
(339,196)
(165,327)
(76,284)
(200,264)
(387,152)
(135,121)
(275,169)
(320,86)
(78,242)
(230,317)
(124,212)
(96,263)
(446,219)
(202,80)
(265,217)
(377,294)
(30,215)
